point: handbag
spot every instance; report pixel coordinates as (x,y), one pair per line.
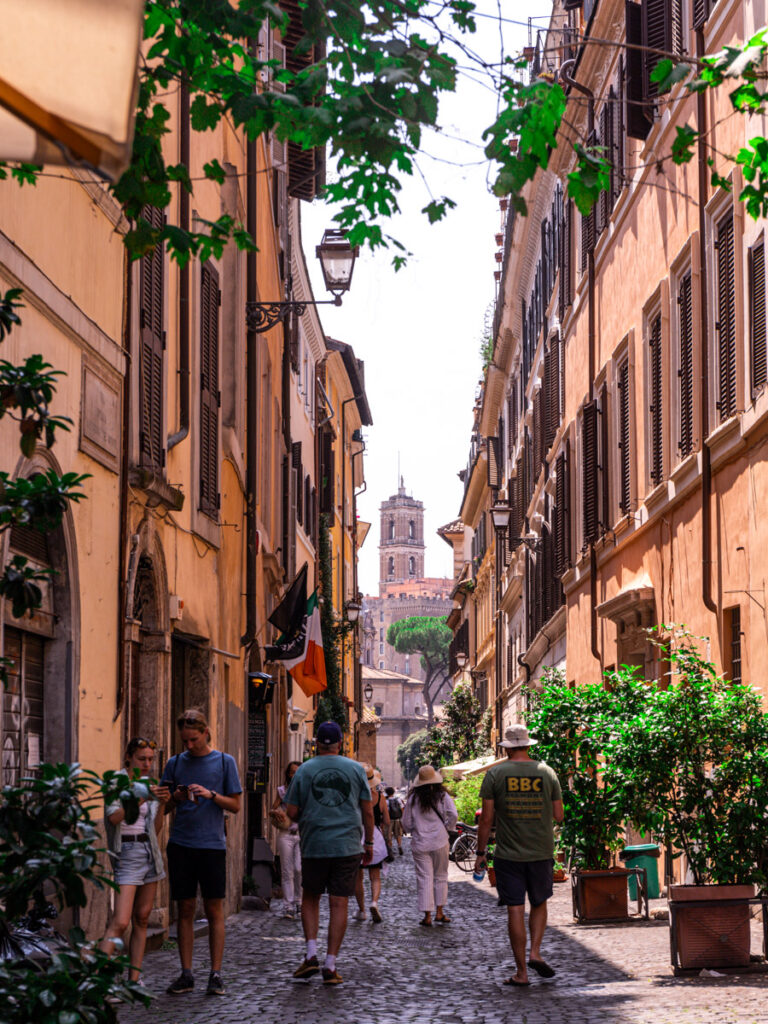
(280,819)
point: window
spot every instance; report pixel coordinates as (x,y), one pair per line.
(378,708)
(725,324)
(589,479)
(391,529)
(625,451)
(411,566)
(732,639)
(407,665)
(381,634)
(210,300)
(655,406)
(381,616)
(757,316)
(561,512)
(685,369)
(411,529)
(23,706)
(152,346)
(390,567)
(565,298)
(381,648)
(381,664)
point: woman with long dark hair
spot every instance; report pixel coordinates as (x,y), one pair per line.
(429,815)
(288,848)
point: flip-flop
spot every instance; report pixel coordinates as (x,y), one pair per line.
(516,983)
(542,969)
(443,920)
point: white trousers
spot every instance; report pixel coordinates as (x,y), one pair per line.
(431,878)
(290,866)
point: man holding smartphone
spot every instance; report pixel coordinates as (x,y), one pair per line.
(204,783)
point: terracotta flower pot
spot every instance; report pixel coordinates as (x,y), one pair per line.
(706,930)
(600,895)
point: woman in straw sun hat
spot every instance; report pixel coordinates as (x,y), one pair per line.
(374,869)
(429,815)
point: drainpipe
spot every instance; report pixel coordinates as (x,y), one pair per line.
(565,75)
(706,465)
(184,340)
(123,493)
(252,391)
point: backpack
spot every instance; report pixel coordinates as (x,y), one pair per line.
(395,808)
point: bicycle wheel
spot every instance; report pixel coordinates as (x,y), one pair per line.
(465,852)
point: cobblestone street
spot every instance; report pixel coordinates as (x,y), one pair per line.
(399,973)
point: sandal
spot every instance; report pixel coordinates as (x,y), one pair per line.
(443,920)
(425,923)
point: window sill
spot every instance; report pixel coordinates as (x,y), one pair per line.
(725,440)
(657,498)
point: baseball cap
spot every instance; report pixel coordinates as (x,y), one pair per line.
(328,734)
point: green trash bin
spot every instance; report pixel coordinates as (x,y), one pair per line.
(644,856)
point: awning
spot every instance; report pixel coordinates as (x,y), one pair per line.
(475,767)
(69,76)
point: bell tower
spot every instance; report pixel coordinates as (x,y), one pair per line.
(401,544)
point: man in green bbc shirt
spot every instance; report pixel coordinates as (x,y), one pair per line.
(524,797)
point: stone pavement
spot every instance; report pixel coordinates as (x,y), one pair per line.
(399,973)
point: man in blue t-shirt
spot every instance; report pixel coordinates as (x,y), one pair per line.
(203,783)
(330,799)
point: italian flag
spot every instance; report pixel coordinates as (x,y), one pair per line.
(306,662)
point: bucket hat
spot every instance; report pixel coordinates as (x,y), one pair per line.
(517,736)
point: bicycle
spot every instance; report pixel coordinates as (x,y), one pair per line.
(464,849)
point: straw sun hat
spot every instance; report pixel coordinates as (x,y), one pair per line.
(427,776)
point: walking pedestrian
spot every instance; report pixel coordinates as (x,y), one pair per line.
(380,853)
(395,808)
(204,784)
(330,799)
(137,860)
(429,815)
(525,798)
(288,849)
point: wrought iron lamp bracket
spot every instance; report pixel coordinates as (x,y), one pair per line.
(263,316)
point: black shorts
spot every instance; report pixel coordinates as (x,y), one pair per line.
(515,878)
(190,866)
(335,875)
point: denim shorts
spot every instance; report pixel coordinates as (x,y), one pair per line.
(136,865)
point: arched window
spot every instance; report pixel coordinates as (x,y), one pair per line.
(391,529)
(411,566)
(391,567)
(411,529)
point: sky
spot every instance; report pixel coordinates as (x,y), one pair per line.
(419,330)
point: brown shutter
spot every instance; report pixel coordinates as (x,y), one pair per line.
(639,114)
(589,472)
(502,449)
(657,35)
(209,390)
(565,297)
(604,461)
(685,372)
(625,451)
(327,473)
(726,318)
(297,465)
(538,433)
(701,11)
(605,141)
(656,407)
(152,345)
(757,315)
(616,143)
(493,464)
(560,515)
(552,390)
(306,167)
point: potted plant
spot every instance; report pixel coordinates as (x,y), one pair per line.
(574,727)
(693,764)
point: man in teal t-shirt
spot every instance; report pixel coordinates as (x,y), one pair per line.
(525,798)
(330,799)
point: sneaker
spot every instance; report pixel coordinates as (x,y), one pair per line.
(361,916)
(184,983)
(307,968)
(331,977)
(376,915)
(215,984)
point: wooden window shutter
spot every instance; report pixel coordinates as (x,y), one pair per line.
(209,390)
(538,432)
(615,141)
(551,388)
(685,372)
(512,418)
(566,244)
(297,465)
(604,461)
(656,407)
(519,509)
(587,231)
(605,141)
(308,505)
(757,316)
(285,518)
(639,114)
(306,167)
(662,24)
(589,473)
(152,345)
(725,325)
(625,480)
(493,465)
(560,514)
(327,473)
(701,11)
(502,449)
